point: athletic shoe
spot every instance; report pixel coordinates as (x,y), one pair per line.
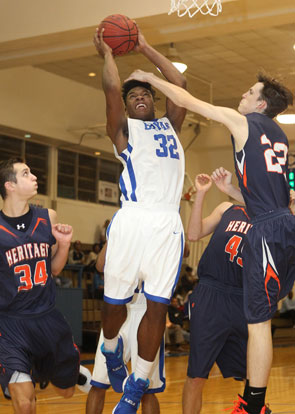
(6,392)
(84,378)
(117,370)
(264,410)
(238,406)
(133,392)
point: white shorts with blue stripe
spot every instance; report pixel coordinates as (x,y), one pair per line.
(144,243)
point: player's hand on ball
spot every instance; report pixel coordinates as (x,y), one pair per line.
(62,232)
(100,45)
(203,182)
(141,42)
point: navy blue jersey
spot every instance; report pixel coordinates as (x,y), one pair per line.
(221,261)
(26,284)
(261,166)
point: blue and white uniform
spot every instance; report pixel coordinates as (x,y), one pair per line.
(218,326)
(269,250)
(145,237)
(34,335)
(128,332)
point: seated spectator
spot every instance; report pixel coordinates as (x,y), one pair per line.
(188,280)
(91,259)
(174,329)
(76,256)
(287,310)
(103,236)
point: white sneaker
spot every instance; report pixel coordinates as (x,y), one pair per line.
(84,379)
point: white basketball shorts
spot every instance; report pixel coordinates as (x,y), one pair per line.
(143,244)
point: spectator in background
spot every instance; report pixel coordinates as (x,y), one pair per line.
(174,325)
(287,310)
(92,257)
(103,236)
(188,280)
(90,269)
(76,256)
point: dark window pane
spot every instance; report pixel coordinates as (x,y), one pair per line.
(36,156)
(66,174)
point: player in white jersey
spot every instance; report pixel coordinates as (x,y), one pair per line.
(145,238)
(100,381)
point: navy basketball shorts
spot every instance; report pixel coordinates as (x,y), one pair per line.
(41,346)
(218,331)
(268,264)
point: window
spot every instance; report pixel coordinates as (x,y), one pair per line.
(79,174)
(35,155)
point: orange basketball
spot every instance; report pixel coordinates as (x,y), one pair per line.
(120,33)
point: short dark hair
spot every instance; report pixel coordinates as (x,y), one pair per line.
(127,86)
(276,95)
(8,173)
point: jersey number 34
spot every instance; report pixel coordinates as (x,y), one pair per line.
(24,272)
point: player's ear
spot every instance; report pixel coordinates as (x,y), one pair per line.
(9,186)
(262,105)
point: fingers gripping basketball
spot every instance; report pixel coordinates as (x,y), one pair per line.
(120,33)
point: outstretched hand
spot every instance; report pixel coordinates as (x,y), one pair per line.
(100,45)
(139,75)
(203,182)
(222,178)
(62,232)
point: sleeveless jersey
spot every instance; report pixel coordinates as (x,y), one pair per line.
(153,163)
(261,166)
(26,285)
(221,261)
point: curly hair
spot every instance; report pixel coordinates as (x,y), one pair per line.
(276,95)
(127,86)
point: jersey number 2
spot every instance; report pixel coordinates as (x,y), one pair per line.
(168,146)
(24,271)
(232,247)
(273,162)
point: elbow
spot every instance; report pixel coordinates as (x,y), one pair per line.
(192,237)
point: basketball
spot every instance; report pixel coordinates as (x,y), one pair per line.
(120,33)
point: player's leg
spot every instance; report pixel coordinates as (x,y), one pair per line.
(95,400)
(150,404)
(113,317)
(260,353)
(154,320)
(192,395)
(22,394)
(99,382)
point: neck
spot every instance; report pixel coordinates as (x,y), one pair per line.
(12,209)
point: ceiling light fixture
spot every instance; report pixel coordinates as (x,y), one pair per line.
(97,153)
(91,74)
(175,59)
(27,135)
(288,117)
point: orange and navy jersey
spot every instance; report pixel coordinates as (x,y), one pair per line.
(261,166)
(26,284)
(221,261)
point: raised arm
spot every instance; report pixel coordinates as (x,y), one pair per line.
(222,178)
(63,234)
(115,111)
(176,114)
(233,120)
(199,227)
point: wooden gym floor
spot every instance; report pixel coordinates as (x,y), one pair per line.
(218,393)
